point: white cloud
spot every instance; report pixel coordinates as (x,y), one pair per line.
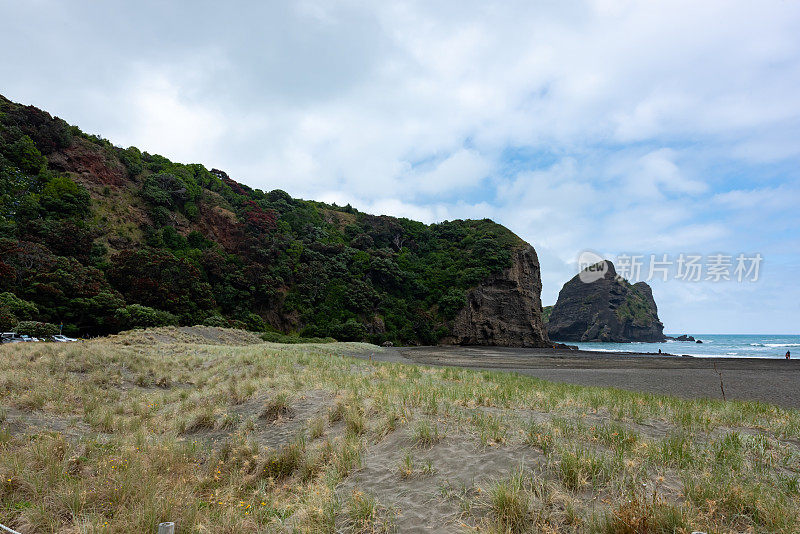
(164,122)
(459,172)
(632,112)
(768,199)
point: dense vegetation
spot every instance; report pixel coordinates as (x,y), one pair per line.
(101,239)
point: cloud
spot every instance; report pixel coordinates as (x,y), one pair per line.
(763,199)
(459,172)
(606,124)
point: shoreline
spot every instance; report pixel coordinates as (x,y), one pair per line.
(766,346)
(774,381)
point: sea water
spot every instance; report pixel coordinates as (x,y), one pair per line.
(713,345)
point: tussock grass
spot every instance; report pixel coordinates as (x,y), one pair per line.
(581,468)
(206,420)
(540,436)
(366,515)
(425,434)
(276,407)
(408,467)
(119,434)
(642,515)
(354,420)
(316,428)
(509,504)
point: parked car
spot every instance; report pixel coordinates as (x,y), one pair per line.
(8,337)
(62,339)
(11,337)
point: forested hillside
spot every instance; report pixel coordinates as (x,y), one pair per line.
(103,238)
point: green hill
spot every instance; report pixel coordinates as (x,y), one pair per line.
(102,238)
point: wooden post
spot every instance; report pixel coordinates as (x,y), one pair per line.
(166,528)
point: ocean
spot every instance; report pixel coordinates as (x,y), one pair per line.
(713,345)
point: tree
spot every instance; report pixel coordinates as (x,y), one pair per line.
(63,197)
(7,319)
(351,330)
(138,316)
(24,153)
(159,279)
(36,329)
(23,310)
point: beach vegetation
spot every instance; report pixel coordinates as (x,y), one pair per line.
(121,433)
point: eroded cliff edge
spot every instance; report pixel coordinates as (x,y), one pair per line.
(505,309)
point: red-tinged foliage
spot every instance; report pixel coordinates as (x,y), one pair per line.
(62,237)
(49,133)
(8,273)
(158,279)
(235,186)
(27,259)
(258,219)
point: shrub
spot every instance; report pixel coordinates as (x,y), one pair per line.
(24,153)
(352,330)
(452,302)
(277,337)
(254,322)
(215,320)
(36,329)
(63,196)
(138,316)
(131,157)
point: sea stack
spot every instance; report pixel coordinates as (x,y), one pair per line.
(607,309)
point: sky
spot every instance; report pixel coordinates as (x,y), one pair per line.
(628,128)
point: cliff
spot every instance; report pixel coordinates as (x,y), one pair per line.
(103,238)
(505,309)
(607,309)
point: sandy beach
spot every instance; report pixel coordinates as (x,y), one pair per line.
(754,379)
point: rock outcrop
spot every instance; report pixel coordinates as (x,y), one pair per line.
(506,309)
(682,337)
(607,309)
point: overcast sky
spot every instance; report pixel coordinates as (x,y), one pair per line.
(648,127)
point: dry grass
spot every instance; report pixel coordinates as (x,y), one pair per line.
(119,434)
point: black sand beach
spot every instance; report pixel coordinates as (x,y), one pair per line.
(753,379)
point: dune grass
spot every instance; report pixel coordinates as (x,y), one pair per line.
(109,436)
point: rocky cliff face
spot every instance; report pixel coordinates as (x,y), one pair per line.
(506,309)
(608,309)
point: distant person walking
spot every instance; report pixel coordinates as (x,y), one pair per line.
(788,355)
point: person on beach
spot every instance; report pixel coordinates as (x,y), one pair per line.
(788,355)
